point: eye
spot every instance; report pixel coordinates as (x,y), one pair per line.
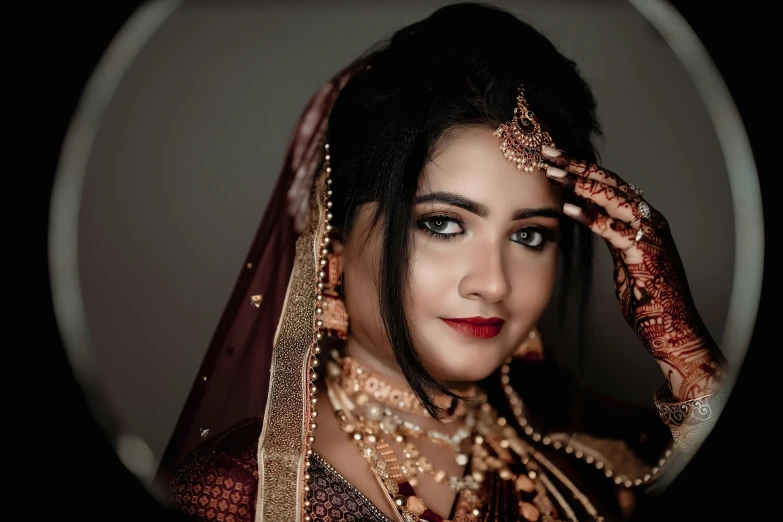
(441,226)
(529,237)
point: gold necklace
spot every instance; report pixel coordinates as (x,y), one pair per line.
(494,447)
(356,378)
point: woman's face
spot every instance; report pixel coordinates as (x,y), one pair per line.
(482,264)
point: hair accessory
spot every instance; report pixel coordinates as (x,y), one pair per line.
(521,139)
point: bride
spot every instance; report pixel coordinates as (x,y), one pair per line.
(379,358)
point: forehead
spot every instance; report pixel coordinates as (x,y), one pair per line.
(468,162)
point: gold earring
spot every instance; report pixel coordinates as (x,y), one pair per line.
(532,349)
(335,316)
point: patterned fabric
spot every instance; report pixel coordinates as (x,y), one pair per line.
(336,500)
(218,481)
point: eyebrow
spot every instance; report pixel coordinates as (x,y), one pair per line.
(480,210)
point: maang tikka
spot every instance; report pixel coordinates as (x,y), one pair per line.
(521,139)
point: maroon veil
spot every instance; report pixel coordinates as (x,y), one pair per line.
(233,379)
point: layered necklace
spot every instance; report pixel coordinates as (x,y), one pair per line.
(366,406)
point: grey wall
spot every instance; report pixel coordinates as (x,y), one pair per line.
(194,137)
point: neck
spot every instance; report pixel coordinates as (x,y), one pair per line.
(386,369)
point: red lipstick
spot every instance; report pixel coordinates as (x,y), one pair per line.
(479,327)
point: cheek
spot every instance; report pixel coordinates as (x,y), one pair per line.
(532,283)
(433,277)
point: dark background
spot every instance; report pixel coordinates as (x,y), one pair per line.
(80,476)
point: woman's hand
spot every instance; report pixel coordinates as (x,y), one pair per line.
(649,277)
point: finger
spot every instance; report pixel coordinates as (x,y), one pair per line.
(561,162)
(616,203)
(618,233)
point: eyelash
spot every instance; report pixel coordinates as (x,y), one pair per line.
(547,234)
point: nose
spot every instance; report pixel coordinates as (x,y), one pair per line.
(485,278)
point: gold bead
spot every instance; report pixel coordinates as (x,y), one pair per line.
(531,474)
(317,348)
(400,501)
(524,483)
(313,389)
(313,376)
(501,421)
(328,157)
(476,512)
(310,439)
(313,426)
(314,414)
(307,488)
(307,503)
(415,505)
(529,511)
(308,477)
(314,362)
(313,400)
(307,518)
(319,323)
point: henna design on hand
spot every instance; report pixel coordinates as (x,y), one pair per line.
(650,282)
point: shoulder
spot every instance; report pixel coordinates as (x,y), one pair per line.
(219,478)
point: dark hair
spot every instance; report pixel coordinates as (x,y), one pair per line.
(460,66)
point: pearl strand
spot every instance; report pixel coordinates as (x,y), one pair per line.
(516,404)
(319,331)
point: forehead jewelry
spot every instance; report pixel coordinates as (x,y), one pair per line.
(521,139)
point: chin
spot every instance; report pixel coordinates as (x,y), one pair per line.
(464,364)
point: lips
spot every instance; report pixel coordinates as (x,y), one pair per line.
(478,327)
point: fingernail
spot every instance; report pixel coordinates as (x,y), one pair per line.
(571,210)
(552,152)
(554,172)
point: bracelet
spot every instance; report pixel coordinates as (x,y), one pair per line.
(689,421)
(694,411)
